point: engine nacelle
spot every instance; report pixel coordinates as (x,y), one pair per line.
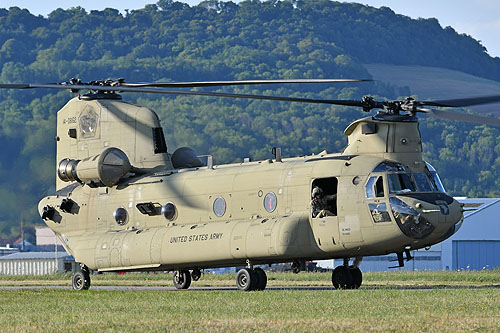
(107,167)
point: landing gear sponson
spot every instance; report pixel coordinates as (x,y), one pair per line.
(347,277)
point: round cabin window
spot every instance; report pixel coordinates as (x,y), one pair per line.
(121,216)
(270,202)
(169,211)
(219,206)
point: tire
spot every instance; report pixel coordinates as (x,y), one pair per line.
(261,278)
(342,278)
(295,267)
(246,279)
(81,280)
(182,279)
(357,277)
(195,274)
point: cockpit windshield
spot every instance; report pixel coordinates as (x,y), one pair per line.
(400,183)
(402,180)
(424,182)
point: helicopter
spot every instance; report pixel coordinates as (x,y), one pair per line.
(124,203)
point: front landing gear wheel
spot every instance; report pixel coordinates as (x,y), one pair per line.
(81,280)
(246,279)
(182,279)
(342,278)
(357,277)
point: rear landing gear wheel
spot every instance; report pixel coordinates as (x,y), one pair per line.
(81,279)
(261,278)
(196,274)
(182,279)
(342,278)
(357,277)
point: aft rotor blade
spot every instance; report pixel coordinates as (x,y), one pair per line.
(234,83)
(461,102)
(447,115)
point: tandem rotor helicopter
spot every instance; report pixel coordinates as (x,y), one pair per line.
(123,202)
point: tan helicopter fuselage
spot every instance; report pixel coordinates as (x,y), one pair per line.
(234,214)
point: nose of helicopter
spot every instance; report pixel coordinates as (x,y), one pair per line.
(430,216)
(441,214)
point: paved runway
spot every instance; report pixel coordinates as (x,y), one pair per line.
(149,288)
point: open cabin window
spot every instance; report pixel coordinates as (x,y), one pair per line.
(328,201)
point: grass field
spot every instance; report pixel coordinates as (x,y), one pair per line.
(463,307)
(391,278)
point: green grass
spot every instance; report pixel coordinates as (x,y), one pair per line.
(272,310)
(382,309)
(391,278)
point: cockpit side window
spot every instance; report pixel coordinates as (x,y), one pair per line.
(434,178)
(375,187)
(437,182)
(379,187)
(369,187)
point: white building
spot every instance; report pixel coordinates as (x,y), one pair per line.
(35,263)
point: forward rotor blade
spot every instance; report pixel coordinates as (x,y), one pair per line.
(234,83)
(461,102)
(447,115)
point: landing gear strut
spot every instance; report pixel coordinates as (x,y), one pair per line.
(81,278)
(248,279)
(347,277)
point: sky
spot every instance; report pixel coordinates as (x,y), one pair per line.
(478,18)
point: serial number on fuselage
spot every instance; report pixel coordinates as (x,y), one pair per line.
(196,238)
